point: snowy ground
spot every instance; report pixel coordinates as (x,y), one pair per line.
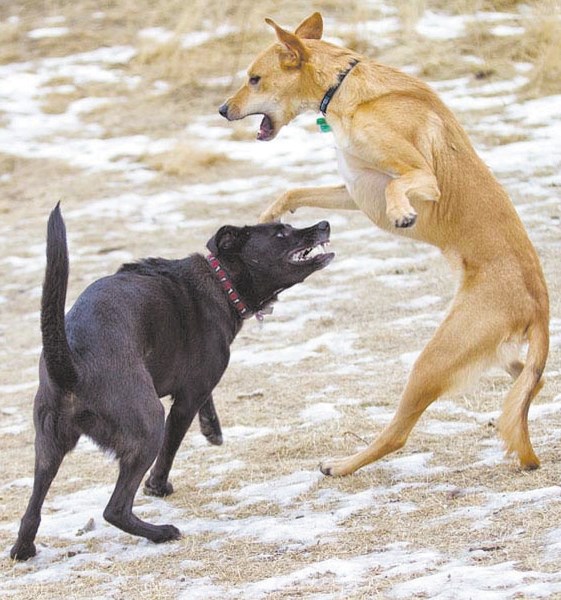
(448,517)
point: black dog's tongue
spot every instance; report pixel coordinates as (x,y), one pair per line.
(265,129)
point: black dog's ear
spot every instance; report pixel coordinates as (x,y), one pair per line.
(227,239)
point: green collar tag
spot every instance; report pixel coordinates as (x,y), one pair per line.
(323,126)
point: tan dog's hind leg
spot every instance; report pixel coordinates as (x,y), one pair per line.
(513,423)
(460,349)
(515,368)
(332,197)
(414,185)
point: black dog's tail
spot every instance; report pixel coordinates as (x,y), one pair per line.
(56,350)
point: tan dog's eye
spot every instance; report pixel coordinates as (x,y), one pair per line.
(254,80)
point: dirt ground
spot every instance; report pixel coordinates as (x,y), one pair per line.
(341,343)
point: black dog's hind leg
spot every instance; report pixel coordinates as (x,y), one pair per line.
(181,415)
(55,437)
(209,423)
(137,450)
(119,509)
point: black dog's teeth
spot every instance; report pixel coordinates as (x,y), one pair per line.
(308,253)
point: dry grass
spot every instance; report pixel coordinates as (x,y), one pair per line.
(187,161)
(409,14)
(469,7)
(542,46)
(32,187)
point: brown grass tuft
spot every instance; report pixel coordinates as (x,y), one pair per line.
(9,32)
(542,46)
(515,532)
(409,13)
(186,160)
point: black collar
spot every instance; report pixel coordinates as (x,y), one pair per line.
(331,91)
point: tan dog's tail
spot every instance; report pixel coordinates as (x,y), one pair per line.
(513,423)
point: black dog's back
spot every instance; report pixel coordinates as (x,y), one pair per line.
(159,315)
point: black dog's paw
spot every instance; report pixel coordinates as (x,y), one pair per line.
(213,437)
(22,551)
(210,425)
(157,488)
(406,221)
(166,533)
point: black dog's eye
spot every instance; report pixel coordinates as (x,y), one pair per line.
(254,80)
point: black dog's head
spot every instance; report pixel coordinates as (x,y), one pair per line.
(265,259)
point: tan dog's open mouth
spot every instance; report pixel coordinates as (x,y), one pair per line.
(266,129)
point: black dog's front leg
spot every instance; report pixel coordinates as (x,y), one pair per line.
(209,423)
(181,415)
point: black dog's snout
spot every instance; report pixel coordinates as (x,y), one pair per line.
(223,110)
(323,226)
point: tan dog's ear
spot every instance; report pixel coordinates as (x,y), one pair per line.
(297,52)
(311,28)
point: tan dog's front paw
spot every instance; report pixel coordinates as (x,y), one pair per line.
(273,213)
(269,215)
(278,208)
(335,468)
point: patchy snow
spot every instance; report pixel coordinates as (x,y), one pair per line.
(458,581)
(48,32)
(307,512)
(412,466)
(322,411)
(27,131)
(341,343)
(280,491)
(438,26)
(420,302)
(505,30)
(160,35)
(441,26)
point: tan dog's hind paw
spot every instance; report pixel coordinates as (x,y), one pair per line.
(336,467)
(530,463)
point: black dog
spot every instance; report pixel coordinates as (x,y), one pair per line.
(155,328)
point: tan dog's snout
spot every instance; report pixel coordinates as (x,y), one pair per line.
(223,110)
(231,111)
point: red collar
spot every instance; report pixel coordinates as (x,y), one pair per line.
(241,307)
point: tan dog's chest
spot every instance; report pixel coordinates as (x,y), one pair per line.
(367,186)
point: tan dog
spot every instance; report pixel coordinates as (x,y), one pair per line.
(406,161)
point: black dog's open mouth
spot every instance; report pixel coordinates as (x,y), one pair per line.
(266,129)
(316,255)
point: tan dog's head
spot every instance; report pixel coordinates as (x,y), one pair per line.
(280,82)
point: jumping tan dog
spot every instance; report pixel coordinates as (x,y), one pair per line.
(406,161)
